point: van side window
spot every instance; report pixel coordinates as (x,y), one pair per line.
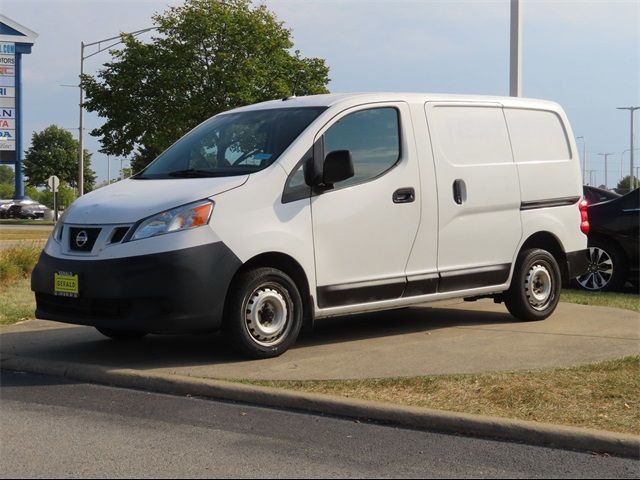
(537,135)
(471,135)
(372,137)
(296,187)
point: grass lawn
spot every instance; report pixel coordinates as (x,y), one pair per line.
(605,395)
(25,234)
(627,301)
(17,301)
(14,221)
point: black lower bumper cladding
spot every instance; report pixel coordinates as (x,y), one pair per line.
(181,291)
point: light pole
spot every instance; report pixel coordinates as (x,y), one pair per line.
(622,162)
(584,158)
(515,62)
(606,168)
(591,172)
(108,170)
(81,126)
(631,111)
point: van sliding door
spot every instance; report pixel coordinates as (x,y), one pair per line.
(479,227)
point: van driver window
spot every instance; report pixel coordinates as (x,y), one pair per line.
(373,138)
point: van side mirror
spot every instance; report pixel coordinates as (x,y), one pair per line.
(337,166)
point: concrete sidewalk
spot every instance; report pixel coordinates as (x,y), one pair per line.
(448,337)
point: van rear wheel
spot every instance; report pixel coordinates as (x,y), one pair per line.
(535,287)
(263,315)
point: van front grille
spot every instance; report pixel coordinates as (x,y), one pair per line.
(83,239)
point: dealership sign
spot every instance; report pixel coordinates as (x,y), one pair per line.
(7,96)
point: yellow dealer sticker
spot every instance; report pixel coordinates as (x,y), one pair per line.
(65,284)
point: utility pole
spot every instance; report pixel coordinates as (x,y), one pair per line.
(101,48)
(108,170)
(81,127)
(606,168)
(591,172)
(584,159)
(515,63)
(631,111)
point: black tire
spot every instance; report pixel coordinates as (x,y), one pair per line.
(121,335)
(604,275)
(254,295)
(535,287)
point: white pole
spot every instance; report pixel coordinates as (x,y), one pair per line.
(81,128)
(515,63)
(606,168)
(632,179)
(631,176)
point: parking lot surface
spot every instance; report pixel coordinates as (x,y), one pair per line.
(443,338)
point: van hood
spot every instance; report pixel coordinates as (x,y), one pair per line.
(131,200)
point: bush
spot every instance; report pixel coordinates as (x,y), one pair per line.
(6,191)
(17,262)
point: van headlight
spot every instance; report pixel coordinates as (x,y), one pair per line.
(185,217)
(56,234)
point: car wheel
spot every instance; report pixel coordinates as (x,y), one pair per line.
(121,335)
(606,268)
(263,314)
(535,287)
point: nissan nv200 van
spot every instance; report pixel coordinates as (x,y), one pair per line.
(268,217)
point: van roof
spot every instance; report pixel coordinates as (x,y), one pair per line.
(351,99)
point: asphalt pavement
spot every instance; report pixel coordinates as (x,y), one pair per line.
(51,427)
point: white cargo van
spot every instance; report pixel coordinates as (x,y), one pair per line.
(265,218)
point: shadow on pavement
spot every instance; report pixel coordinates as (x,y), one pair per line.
(87,346)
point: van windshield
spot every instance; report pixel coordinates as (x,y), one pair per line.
(232,144)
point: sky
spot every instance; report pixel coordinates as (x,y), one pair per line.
(583,54)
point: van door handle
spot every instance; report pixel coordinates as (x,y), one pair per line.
(404,195)
(459,191)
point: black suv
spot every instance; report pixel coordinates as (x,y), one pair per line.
(597,195)
(613,243)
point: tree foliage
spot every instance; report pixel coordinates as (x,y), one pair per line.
(54,151)
(7,176)
(624,185)
(210,56)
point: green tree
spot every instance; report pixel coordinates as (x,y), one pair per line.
(6,191)
(210,56)
(7,176)
(66,196)
(54,151)
(624,185)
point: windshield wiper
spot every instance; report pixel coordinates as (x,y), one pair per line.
(193,173)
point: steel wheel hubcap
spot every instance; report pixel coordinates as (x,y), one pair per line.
(539,287)
(266,315)
(600,270)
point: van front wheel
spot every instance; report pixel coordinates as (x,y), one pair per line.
(535,287)
(263,316)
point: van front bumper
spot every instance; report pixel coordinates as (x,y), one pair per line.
(181,291)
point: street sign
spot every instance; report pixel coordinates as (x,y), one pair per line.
(54,183)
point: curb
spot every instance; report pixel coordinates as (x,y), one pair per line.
(532,433)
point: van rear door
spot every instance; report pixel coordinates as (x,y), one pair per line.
(479,226)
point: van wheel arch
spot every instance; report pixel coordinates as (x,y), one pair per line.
(291,267)
(549,242)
